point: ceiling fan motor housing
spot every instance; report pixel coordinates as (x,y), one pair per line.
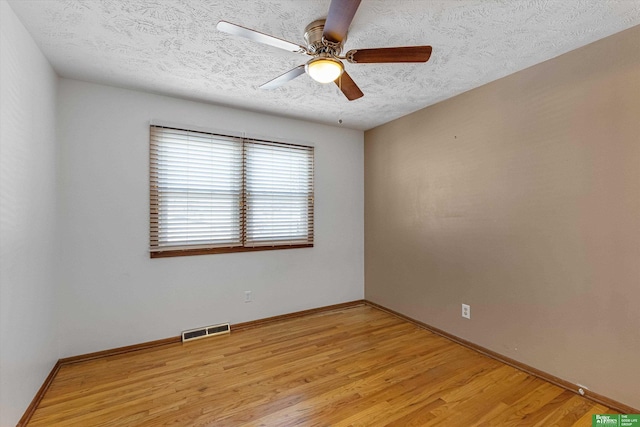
(316,44)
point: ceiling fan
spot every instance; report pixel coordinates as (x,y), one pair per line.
(324,41)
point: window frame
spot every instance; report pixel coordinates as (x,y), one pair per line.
(156,252)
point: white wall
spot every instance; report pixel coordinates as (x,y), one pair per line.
(113,294)
(28,344)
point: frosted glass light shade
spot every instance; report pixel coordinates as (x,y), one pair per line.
(324,70)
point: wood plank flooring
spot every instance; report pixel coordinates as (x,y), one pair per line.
(351,367)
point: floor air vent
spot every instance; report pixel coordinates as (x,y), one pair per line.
(205,332)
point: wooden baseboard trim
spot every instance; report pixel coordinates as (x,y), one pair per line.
(166,341)
(120,350)
(267,320)
(28,413)
(598,398)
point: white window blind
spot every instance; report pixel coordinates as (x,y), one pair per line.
(212,193)
(279,194)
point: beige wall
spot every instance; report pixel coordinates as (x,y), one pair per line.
(522,199)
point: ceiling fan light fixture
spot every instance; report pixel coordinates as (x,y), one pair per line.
(324,69)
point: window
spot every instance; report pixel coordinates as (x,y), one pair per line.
(213,193)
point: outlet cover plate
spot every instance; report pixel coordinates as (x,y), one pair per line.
(466,311)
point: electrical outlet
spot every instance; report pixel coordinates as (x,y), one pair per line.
(248,296)
(466,311)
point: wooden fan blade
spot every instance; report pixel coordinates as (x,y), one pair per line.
(284,78)
(349,87)
(390,54)
(341,13)
(256,36)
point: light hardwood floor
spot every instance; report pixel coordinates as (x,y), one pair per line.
(357,366)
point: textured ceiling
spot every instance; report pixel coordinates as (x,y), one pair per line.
(173,48)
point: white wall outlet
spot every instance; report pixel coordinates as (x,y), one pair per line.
(466,311)
(248,296)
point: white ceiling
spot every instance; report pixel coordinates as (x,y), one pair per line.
(172,47)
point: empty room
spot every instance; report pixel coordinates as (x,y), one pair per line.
(319,213)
